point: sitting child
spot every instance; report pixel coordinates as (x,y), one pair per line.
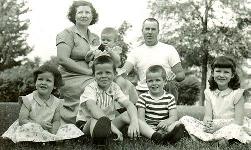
(97,107)
(224,107)
(158,108)
(39,117)
(111,46)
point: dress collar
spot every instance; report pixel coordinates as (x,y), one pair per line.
(222,93)
(91,38)
(48,103)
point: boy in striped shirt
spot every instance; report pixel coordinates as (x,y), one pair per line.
(158,108)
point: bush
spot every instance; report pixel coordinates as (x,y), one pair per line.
(16,81)
(19,80)
(189,90)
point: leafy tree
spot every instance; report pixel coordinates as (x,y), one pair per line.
(12,32)
(125,46)
(203,29)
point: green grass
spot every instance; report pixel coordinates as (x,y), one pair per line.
(140,144)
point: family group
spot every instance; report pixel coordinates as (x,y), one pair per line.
(98,100)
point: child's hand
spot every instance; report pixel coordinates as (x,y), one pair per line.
(163,125)
(208,125)
(119,136)
(46,125)
(211,127)
(116,131)
(133,130)
(97,52)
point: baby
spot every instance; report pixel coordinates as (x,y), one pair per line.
(109,45)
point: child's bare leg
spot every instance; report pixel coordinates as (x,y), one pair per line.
(92,124)
(128,88)
(124,119)
(86,128)
(133,95)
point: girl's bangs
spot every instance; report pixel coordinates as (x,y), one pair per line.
(223,63)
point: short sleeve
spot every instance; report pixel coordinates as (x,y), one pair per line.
(65,37)
(59,104)
(207,97)
(24,100)
(88,94)
(237,95)
(172,103)
(174,56)
(131,57)
(141,103)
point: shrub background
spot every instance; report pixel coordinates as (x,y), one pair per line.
(18,81)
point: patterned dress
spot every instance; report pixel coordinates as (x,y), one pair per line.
(223,103)
(40,111)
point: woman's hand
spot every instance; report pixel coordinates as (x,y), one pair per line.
(89,71)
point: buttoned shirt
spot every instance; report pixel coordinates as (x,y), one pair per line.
(105,99)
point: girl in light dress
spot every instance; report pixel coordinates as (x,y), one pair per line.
(224,118)
(39,117)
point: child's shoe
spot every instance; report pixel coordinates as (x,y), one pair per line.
(157,138)
(175,135)
(101,132)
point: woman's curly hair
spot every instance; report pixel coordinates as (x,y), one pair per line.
(73,10)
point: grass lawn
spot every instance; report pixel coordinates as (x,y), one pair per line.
(141,144)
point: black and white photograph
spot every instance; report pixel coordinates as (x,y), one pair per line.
(125,74)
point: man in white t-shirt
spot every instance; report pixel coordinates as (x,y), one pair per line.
(153,52)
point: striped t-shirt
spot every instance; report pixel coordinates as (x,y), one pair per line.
(156,109)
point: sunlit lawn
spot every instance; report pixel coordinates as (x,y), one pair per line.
(84,143)
(141,144)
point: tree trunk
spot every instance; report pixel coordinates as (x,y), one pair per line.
(204,76)
(204,53)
